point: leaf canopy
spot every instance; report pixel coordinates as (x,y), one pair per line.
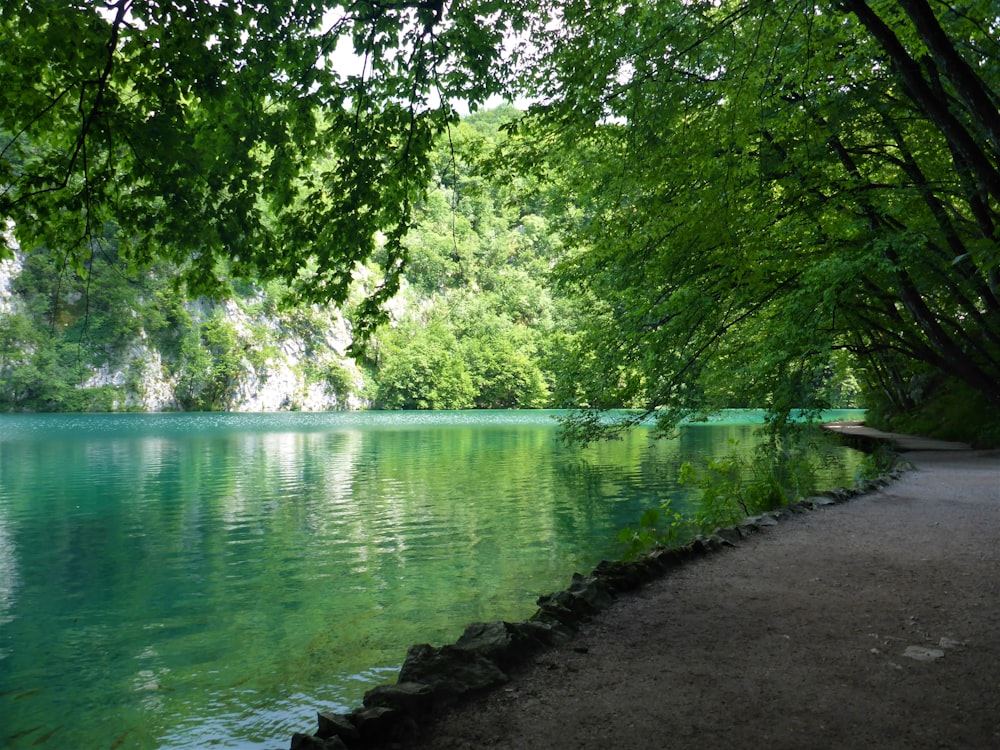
(197,129)
(768,184)
(761,186)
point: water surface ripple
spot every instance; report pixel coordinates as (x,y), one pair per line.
(211,580)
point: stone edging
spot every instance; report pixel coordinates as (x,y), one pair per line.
(433,678)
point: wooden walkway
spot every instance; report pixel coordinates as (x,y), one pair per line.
(857,433)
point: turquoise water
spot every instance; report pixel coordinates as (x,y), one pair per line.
(212,580)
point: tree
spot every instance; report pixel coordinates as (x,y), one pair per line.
(421,368)
(761,185)
(501,354)
(478,261)
(768,184)
(194,127)
(505,375)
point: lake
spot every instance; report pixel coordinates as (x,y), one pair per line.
(212,580)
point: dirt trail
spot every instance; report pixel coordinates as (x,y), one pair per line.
(874,623)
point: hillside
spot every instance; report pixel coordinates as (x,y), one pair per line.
(472,326)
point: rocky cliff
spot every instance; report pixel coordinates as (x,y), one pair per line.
(266,360)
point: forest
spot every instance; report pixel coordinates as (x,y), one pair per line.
(699,205)
(475,323)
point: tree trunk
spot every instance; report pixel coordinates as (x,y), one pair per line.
(934,107)
(975,95)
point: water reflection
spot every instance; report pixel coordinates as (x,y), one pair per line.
(174,581)
(8,572)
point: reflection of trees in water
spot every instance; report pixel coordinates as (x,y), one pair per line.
(8,571)
(636,473)
(230,559)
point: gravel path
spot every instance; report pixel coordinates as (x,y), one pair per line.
(872,623)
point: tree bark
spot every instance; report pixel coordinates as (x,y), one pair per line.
(934,107)
(969,86)
(953,358)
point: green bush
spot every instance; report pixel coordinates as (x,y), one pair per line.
(730,488)
(940,408)
(657,527)
(420,368)
(210,363)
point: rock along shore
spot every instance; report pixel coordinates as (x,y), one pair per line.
(434,679)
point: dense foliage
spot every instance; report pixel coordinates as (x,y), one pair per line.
(482,325)
(768,185)
(198,127)
(748,202)
(474,326)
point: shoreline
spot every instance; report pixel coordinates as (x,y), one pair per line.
(868,623)
(434,680)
